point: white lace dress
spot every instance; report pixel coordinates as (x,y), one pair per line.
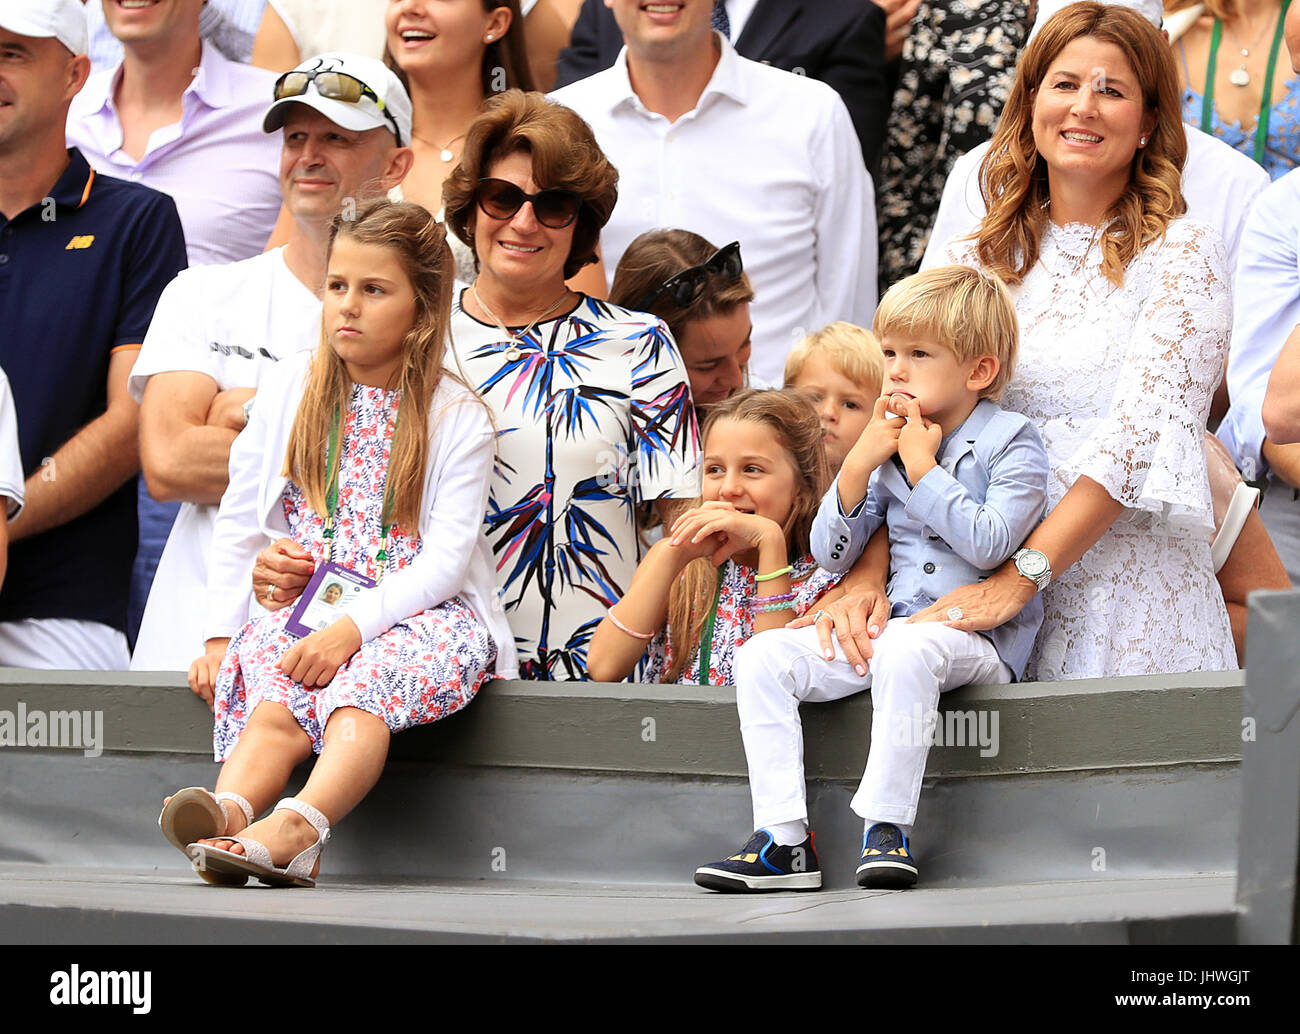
(1118,382)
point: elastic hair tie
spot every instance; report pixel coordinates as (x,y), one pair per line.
(775,574)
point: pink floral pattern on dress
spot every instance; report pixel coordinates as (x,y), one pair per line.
(734,624)
(422,669)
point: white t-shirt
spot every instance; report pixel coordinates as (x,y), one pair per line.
(11,461)
(232,323)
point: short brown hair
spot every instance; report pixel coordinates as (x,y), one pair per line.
(957,307)
(656,256)
(565,157)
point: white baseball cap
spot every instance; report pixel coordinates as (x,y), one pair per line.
(63,20)
(1152,10)
(383,103)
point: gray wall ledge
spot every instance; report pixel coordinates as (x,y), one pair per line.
(1087,724)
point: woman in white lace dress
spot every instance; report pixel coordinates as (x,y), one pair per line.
(1124,310)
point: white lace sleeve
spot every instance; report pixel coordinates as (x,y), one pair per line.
(1147,451)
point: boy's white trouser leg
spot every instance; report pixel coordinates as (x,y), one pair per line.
(775,671)
(912,665)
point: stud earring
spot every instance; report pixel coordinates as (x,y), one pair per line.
(490,38)
(1142,142)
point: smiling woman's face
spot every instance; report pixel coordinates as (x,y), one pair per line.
(1090,118)
(519,251)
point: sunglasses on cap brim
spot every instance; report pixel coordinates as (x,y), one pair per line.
(685,287)
(335,86)
(501,199)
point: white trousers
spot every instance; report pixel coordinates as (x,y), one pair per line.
(63,644)
(777,670)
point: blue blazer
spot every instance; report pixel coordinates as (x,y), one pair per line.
(960,522)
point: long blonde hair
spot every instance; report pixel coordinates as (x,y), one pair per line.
(419,242)
(791,419)
(1013,176)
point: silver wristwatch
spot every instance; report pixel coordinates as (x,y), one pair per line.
(1034,566)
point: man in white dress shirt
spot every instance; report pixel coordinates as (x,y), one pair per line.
(708,141)
(218,328)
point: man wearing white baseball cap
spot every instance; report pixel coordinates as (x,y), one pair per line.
(346,122)
(83,259)
(63,20)
(1219,183)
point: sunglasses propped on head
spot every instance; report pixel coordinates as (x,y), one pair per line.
(336,86)
(684,287)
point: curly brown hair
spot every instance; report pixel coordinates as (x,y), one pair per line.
(1013,176)
(565,157)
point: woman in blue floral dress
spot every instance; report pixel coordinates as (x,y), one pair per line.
(591,401)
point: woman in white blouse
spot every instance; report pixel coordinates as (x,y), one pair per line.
(1124,311)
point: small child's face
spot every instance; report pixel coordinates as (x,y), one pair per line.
(931,373)
(746,466)
(843,405)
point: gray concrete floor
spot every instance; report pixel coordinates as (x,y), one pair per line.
(49,904)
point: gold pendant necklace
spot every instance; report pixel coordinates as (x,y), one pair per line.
(514,352)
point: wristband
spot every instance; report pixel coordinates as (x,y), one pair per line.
(759,600)
(775,574)
(788,605)
(623,628)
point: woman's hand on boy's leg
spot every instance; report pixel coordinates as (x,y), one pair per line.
(855,618)
(314,660)
(203,672)
(282,571)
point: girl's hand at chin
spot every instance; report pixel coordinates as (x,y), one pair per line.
(315,660)
(732,530)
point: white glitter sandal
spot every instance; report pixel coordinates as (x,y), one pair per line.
(256,859)
(195,814)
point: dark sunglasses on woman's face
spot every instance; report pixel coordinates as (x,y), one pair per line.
(501,199)
(684,287)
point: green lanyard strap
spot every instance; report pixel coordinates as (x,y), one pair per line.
(332,460)
(706,637)
(1266,102)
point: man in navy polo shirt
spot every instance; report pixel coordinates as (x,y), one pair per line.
(83,258)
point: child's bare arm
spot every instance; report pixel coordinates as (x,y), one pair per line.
(613,652)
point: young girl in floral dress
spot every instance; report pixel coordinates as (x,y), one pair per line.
(376,461)
(735,565)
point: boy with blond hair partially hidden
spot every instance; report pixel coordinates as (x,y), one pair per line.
(960,484)
(839,368)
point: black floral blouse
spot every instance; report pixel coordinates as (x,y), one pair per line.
(955,74)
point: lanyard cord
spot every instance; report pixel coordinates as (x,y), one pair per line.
(332,460)
(1266,101)
(706,637)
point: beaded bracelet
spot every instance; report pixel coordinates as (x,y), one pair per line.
(759,600)
(775,574)
(789,605)
(623,628)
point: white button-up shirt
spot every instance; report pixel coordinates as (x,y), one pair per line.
(1267,309)
(216,163)
(766,157)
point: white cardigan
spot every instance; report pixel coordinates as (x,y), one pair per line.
(454,557)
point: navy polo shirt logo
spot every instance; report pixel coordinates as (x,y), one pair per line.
(80,242)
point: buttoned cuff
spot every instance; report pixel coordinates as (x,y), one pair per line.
(839,507)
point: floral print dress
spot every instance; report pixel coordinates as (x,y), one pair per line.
(594,419)
(734,624)
(420,670)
